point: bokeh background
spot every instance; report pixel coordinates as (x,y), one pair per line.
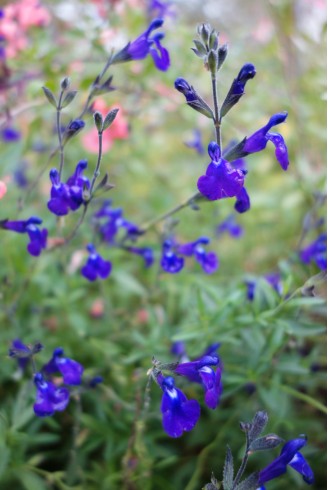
(273,351)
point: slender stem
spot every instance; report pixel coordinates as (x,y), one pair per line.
(79,223)
(144,228)
(96,172)
(60,139)
(217,122)
(243,464)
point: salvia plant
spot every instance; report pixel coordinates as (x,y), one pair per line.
(81,236)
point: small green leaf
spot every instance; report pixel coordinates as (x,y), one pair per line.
(50,96)
(250,483)
(109,119)
(269,441)
(70,96)
(98,121)
(259,422)
(228,470)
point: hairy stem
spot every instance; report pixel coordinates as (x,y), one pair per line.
(59,134)
(217,122)
(97,172)
(243,464)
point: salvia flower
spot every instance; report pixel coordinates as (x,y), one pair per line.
(170,261)
(38,238)
(72,129)
(230,226)
(70,370)
(192,97)
(237,88)
(68,197)
(113,221)
(291,456)
(160,8)
(243,202)
(221,180)
(49,399)
(23,353)
(179,413)
(316,252)
(208,260)
(258,141)
(96,266)
(145,252)
(146,44)
(199,371)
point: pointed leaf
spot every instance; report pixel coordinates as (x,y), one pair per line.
(250,483)
(200,47)
(109,119)
(50,96)
(267,442)
(259,422)
(70,96)
(228,471)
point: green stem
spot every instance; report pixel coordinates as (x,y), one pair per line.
(97,172)
(302,396)
(60,139)
(217,122)
(243,464)
(144,228)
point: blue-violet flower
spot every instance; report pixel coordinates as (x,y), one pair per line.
(49,399)
(38,238)
(96,266)
(70,370)
(208,260)
(170,262)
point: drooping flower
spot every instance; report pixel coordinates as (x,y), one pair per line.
(243,202)
(199,371)
(221,179)
(237,88)
(38,238)
(229,225)
(145,252)
(68,197)
(208,260)
(316,252)
(96,266)
(146,44)
(291,456)
(258,141)
(179,413)
(23,353)
(170,261)
(71,370)
(49,399)
(113,222)
(196,142)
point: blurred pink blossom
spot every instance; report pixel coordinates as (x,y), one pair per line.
(3,189)
(118,130)
(17,19)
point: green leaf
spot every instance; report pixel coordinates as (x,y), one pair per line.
(70,96)
(269,441)
(228,470)
(109,119)
(50,96)
(250,483)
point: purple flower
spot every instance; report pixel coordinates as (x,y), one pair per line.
(258,141)
(10,135)
(95,381)
(316,252)
(160,8)
(192,97)
(221,180)
(19,175)
(199,371)
(208,260)
(291,456)
(196,142)
(72,129)
(230,226)
(96,266)
(251,286)
(68,197)
(146,253)
(274,280)
(114,221)
(49,399)
(243,202)
(146,44)
(179,413)
(178,349)
(70,370)
(171,262)
(38,238)
(237,88)
(22,352)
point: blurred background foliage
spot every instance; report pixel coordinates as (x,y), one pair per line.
(273,349)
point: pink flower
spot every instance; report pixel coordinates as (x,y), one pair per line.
(3,189)
(118,130)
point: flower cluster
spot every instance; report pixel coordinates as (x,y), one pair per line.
(38,238)
(172,262)
(68,197)
(179,413)
(50,397)
(316,252)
